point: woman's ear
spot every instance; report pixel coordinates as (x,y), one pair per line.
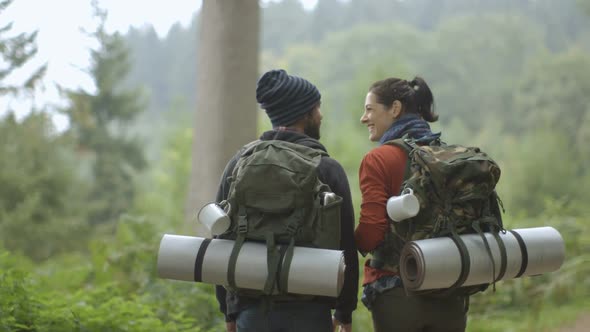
(396,108)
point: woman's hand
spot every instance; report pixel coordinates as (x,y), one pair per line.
(343,327)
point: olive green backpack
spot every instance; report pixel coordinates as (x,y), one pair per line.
(455,186)
(275,197)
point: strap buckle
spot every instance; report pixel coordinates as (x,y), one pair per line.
(292,228)
(242,224)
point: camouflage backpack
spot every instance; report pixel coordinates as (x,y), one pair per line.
(276,197)
(455,186)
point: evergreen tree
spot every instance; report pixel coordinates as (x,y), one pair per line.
(327,16)
(39,213)
(99,121)
(40,209)
(15,52)
(276,15)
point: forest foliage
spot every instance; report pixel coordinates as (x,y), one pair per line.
(82,211)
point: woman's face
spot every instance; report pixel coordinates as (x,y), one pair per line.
(377,117)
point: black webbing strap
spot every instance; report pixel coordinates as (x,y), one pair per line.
(273,259)
(465,259)
(199,260)
(525,255)
(503,255)
(281,283)
(286,266)
(233,258)
(476,226)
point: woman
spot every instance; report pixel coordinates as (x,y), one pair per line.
(396,108)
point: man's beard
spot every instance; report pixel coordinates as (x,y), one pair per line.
(312,129)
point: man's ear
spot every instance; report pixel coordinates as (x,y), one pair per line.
(396,108)
(309,115)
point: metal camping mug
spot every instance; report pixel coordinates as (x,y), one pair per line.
(328,198)
(404,206)
(215,218)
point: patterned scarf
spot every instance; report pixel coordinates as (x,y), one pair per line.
(411,125)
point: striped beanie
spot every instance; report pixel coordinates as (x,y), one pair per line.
(285,98)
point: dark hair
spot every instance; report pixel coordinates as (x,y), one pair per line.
(415,95)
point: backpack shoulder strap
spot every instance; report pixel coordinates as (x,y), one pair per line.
(297,147)
(323,153)
(407,145)
(231,167)
(249,147)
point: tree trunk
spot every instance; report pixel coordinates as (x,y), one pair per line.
(226,95)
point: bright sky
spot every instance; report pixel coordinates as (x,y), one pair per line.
(64,46)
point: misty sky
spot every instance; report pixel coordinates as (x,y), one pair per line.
(64,46)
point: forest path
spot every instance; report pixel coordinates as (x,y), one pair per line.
(582,324)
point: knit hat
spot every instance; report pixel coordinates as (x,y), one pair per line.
(285,98)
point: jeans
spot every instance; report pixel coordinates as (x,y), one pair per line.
(379,286)
(286,317)
(393,310)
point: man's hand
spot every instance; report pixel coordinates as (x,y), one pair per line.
(337,326)
(231,326)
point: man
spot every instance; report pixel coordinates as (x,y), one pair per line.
(293,107)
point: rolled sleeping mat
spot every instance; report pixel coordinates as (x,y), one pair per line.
(436,263)
(312,271)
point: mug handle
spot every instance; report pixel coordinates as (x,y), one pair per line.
(407,190)
(226,206)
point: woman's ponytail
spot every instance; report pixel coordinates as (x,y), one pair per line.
(423,99)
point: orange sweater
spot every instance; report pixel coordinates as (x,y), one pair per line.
(380,175)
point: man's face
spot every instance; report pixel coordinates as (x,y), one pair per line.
(313,123)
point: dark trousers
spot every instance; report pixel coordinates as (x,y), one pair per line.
(394,311)
(286,317)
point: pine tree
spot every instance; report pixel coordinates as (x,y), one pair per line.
(40,205)
(99,123)
(15,52)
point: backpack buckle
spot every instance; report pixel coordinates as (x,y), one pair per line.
(242,224)
(292,228)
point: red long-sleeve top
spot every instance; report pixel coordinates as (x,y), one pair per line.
(380,175)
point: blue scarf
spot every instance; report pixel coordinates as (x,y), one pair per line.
(411,125)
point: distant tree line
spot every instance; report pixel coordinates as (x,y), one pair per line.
(166,66)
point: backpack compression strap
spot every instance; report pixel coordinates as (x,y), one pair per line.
(233,257)
(287,252)
(465,259)
(273,257)
(503,256)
